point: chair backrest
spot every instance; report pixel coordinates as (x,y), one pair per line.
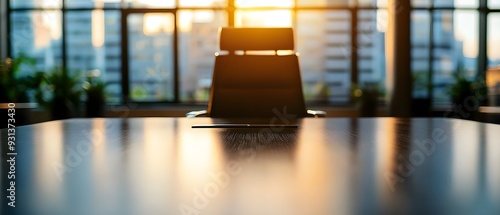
(256,85)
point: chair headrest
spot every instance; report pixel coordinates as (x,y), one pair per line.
(256,39)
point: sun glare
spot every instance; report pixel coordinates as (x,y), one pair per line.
(157,23)
(154,24)
(97,28)
(273,18)
(465,25)
(156,3)
(493,39)
(264,3)
(201,3)
(187,18)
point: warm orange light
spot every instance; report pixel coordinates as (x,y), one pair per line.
(466,25)
(97,28)
(271,18)
(157,23)
(156,3)
(385,152)
(50,166)
(187,18)
(493,36)
(264,3)
(185,21)
(202,3)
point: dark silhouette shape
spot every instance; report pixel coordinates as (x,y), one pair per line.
(256,85)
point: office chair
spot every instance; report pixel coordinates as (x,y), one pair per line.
(256,85)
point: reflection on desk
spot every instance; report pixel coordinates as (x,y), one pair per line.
(326,166)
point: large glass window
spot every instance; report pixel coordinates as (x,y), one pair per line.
(420,40)
(37,34)
(149,3)
(92,3)
(455,49)
(198,41)
(445,42)
(171,51)
(371,28)
(151,56)
(93,43)
(46,4)
(457,3)
(421,3)
(325,54)
(494,4)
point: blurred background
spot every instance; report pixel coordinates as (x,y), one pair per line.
(157,52)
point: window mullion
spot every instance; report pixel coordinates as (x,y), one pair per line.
(483,37)
(63,34)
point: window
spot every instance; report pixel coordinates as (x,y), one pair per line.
(92,42)
(455,49)
(325,54)
(198,41)
(494,4)
(445,41)
(170,44)
(37,34)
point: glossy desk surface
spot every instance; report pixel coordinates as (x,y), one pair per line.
(326,166)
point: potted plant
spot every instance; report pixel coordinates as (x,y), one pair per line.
(60,92)
(322,93)
(464,89)
(15,88)
(365,99)
(95,93)
(421,103)
(460,90)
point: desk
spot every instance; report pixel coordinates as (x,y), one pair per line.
(326,166)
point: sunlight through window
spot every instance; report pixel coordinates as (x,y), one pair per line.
(268,18)
(157,23)
(264,3)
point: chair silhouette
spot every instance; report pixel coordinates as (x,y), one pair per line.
(256,85)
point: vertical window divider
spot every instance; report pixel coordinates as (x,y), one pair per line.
(124,56)
(483,40)
(294,18)
(7,29)
(176,56)
(230,13)
(63,34)
(430,77)
(354,45)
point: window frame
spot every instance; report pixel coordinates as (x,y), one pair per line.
(482,59)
